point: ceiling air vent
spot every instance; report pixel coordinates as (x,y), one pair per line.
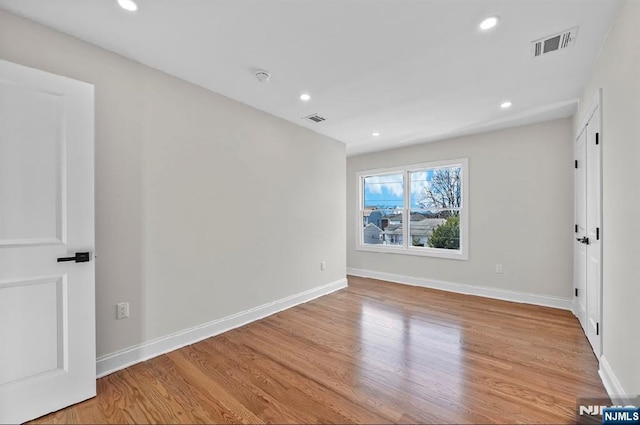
(554,42)
(314,118)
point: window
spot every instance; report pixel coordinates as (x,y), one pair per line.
(417,210)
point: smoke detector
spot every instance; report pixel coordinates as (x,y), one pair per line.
(262,75)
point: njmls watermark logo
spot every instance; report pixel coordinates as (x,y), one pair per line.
(605,411)
(621,415)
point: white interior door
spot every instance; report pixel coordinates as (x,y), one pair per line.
(47,308)
(594,264)
(580,252)
(588,244)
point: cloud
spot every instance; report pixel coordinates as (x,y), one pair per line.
(392,183)
(418,182)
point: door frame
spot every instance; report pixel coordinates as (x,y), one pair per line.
(595,105)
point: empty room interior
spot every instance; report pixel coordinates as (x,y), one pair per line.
(319,211)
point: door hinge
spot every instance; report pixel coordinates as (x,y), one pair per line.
(597,328)
(597,233)
(597,138)
(576,163)
(576,292)
(576,228)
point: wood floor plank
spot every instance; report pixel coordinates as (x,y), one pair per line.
(307,396)
(376,352)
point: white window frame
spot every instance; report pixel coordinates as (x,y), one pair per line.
(406,248)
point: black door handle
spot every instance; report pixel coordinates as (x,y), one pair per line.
(80,257)
(584,240)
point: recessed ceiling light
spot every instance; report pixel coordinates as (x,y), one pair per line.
(129,5)
(376,134)
(489,23)
(506,105)
(305,97)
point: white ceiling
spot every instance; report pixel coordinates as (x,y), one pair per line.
(412,70)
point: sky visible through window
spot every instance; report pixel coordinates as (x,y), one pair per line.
(386,191)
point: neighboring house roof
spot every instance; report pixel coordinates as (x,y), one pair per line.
(372,227)
(423,227)
(414,217)
(393,229)
(367,211)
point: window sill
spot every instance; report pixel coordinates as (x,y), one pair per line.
(420,252)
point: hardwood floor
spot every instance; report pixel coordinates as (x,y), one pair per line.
(376,352)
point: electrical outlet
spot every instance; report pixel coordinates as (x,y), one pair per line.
(323,265)
(499,268)
(122,310)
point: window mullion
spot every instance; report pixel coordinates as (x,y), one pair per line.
(360,216)
(407,213)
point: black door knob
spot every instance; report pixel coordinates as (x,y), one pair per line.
(584,240)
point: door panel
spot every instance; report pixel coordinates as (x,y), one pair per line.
(30,153)
(594,273)
(45,318)
(580,251)
(47,308)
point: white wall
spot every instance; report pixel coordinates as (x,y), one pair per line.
(205,207)
(617,72)
(521,210)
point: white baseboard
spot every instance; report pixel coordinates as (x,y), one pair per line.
(461,288)
(138,353)
(611,383)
